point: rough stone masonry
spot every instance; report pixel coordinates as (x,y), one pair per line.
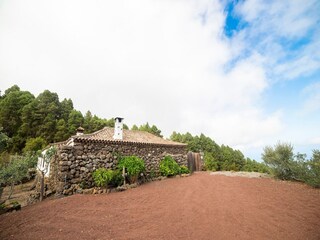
(73,165)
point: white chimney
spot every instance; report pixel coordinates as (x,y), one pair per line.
(80,131)
(118,128)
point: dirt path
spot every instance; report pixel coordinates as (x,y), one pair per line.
(202,206)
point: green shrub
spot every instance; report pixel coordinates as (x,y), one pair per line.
(169,167)
(312,176)
(184,170)
(280,159)
(102,177)
(133,165)
(117,179)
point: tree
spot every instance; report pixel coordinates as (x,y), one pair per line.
(88,122)
(11,109)
(75,120)
(4,141)
(153,129)
(66,106)
(134,127)
(61,131)
(280,159)
(39,117)
(34,144)
(48,106)
(313,176)
(210,162)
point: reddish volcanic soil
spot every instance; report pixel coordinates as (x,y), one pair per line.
(202,206)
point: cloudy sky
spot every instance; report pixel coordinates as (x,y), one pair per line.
(245,73)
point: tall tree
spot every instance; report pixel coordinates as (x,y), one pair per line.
(40,117)
(66,106)
(61,131)
(75,120)
(147,128)
(11,107)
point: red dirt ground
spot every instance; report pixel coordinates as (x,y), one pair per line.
(202,206)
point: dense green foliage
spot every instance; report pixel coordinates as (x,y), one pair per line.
(40,120)
(34,144)
(218,158)
(287,166)
(102,177)
(133,166)
(281,160)
(313,166)
(169,167)
(146,127)
(184,170)
(117,178)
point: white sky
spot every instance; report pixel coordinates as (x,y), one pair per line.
(166,62)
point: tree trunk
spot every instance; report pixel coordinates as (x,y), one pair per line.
(1,191)
(41,186)
(11,190)
(124,176)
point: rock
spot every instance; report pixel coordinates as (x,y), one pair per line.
(64,168)
(89,165)
(88,191)
(75,180)
(78,147)
(79,191)
(82,169)
(121,188)
(66,192)
(95,191)
(109,165)
(48,193)
(65,147)
(63,163)
(185,175)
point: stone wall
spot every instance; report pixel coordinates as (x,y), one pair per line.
(75,164)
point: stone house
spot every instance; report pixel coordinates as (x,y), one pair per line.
(81,154)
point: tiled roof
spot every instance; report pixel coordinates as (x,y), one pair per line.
(129,136)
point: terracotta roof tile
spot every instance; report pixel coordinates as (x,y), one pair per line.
(129,136)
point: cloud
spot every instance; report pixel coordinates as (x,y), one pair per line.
(166,62)
(286,33)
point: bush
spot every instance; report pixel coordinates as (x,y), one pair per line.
(169,167)
(117,179)
(133,165)
(313,174)
(280,159)
(184,170)
(102,177)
